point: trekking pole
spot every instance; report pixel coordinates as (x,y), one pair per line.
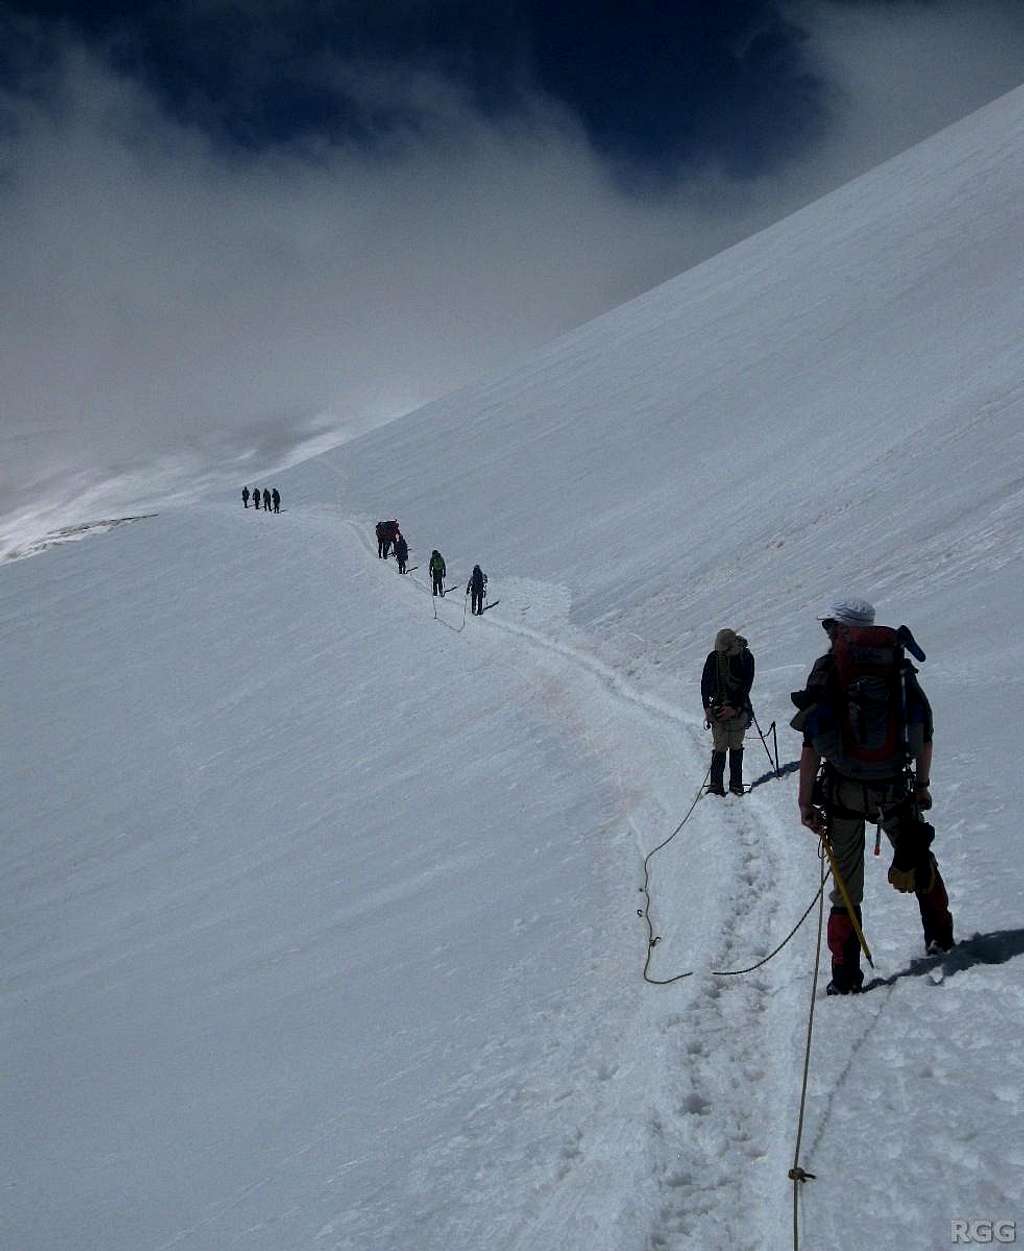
(771,729)
(827,844)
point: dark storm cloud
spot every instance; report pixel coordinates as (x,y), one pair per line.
(655,86)
(677,85)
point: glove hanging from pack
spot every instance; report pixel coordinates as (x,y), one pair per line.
(913,867)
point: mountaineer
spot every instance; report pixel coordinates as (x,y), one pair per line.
(725,689)
(865,715)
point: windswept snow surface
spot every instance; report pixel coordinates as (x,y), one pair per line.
(320,900)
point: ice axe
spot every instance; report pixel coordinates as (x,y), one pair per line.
(826,842)
(907,640)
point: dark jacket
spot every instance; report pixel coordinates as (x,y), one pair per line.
(727,679)
(477,580)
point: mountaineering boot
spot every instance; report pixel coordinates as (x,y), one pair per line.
(716,784)
(847,975)
(736,770)
(935,915)
(835,988)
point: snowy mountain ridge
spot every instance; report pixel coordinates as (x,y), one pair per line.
(320,899)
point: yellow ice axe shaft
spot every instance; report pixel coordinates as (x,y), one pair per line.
(851,912)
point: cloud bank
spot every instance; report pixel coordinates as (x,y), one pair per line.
(183,311)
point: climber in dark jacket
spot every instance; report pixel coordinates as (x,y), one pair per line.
(725,690)
(476,589)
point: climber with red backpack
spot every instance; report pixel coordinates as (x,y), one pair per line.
(864,714)
(387,532)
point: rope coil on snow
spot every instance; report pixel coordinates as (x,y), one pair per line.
(653,939)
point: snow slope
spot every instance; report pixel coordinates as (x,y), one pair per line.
(320,901)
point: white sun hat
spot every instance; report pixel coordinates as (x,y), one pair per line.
(849,611)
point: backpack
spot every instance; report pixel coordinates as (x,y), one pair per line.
(862,720)
(732,677)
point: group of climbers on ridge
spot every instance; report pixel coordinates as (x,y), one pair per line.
(389,535)
(271,499)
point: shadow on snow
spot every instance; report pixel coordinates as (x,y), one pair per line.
(997,947)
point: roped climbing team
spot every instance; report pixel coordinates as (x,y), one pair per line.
(857,764)
(389,535)
(861,760)
(271,499)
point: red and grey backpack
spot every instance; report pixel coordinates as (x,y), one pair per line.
(867,735)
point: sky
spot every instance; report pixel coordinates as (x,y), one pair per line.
(231,232)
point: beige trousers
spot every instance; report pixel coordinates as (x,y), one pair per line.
(854,804)
(728,735)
